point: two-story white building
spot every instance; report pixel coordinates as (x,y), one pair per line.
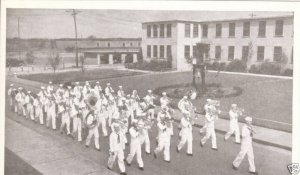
(253,39)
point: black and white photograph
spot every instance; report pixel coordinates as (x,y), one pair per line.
(148,91)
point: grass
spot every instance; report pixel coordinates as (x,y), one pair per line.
(73,76)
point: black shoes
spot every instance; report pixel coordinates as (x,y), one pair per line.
(128,164)
(177,149)
(253,172)
(234,167)
(189,154)
(168,161)
(215,149)
(201,144)
(154,155)
(141,168)
(123,173)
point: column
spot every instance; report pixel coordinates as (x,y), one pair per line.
(110,59)
(134,57)
(123,56)
(98,59)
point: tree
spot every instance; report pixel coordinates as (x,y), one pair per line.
(54,62)
(91,37)
(29,59)
(283,62)
(82,62)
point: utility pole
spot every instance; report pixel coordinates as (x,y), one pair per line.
(19,37)
(74,13)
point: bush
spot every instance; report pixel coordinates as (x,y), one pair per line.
(288,72)
(236,66)
(270,68)
(12,62)
(216,66)
(254,69)
(153,65)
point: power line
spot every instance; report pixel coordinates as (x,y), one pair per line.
(74,13)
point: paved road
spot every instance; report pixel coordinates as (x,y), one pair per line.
(269,160)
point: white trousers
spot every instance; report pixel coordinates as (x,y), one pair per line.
(135,149)
(51,118)
(245,149)
(234,129)
(210,132)
(145,139)
(130,114)
(102,122)
(186,138)
(65,121)
(77,128)
(93,132)
(163,144)
(29,111)
(39,115)
(112,158)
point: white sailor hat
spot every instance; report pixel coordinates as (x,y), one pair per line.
(108,84)
(234,105)
(120,87)
(128,95)
(185,97)
(115,125)
(248,119)
(61,85)
(42,87)
(77,83)
(149,91)
(11,85)
(164,93)
(28,92)
(208,100)
(20,88)
(97,82)
(86,82)
(69,87)
(135,121)
(50,82)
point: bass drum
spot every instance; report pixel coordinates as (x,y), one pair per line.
(193,95)
(90,120)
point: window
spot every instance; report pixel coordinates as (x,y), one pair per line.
(194,51)
(277,53)
(230,52)
(97,44)
(162,51)
(262,28)
(260,53)
(162,30)
(130,44)
(169,51)
(204,30)
(245,53)
(139,44)
(155,31)
(246,29)
(218,52)
(279,28)
(108,44)
(187,30)
(169,30)
(149,31)
(123,44)
(218,30)
(196,30)
(155,51)
(187,51)
(292,57)
(231,29)
(148,51)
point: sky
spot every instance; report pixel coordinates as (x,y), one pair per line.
(57,23)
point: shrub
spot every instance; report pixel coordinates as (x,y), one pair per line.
(153,65)
(254,69)
(236,66)
(216,66)
(12,62)
(288,72)
(270,68)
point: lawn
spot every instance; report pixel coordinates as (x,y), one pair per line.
(268,100)
(73,76)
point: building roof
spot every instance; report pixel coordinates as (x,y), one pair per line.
(100,39)
(110,49)
(223,20)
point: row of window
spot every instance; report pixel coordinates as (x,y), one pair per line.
(152,30)
(152,51)
(232,27)
(124,44)
(277,53)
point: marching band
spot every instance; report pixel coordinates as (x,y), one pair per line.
(89,107)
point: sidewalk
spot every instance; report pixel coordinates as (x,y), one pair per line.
(48,155)
(265,136)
